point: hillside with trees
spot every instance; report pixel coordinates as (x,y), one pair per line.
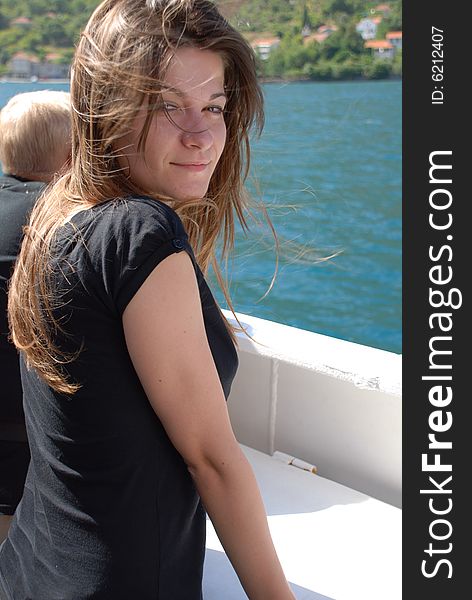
(41,27)
(319,38)
(49,29)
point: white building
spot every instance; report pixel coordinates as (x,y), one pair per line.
(23,66)
(367,28)
(264,46)
(51,69)
(28,66)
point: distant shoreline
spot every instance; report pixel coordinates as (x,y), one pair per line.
(308,80)
(280,80)
(261,80)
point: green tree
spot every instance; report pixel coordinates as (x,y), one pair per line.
(344,43)
(9,39)
(30,41)
(305,20)
(321,71)
(397,64)
(387,25)
(378,69)
(333,7)
(274,66)
(349,69)
(53,31)
(264,15)
(291,54)
(3,20)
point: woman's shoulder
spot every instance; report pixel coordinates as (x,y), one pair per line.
(135,206)
(115,245)
(126,218)
(128,209)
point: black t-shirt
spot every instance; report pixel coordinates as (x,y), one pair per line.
(17,198)
(109,509)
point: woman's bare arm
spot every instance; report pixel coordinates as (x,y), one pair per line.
(167,342)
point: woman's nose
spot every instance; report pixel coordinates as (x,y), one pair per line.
(198,138)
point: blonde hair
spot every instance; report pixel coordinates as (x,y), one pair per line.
(119,67)
(35,130)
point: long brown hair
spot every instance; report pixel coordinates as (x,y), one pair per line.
(119,67)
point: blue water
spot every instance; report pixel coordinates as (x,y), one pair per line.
(328,168)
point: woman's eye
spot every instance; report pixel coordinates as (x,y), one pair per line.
(170,106)
(217,110)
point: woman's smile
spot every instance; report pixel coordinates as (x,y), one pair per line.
(194,167)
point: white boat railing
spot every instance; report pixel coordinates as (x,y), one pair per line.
(331,403)
(334,543)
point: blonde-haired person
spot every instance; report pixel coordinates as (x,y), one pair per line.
(126,357)
(35,134)
(34,144)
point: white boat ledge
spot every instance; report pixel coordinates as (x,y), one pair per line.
(304,402)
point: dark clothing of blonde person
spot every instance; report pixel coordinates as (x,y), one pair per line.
(17,197)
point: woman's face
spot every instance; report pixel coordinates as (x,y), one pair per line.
(182,151)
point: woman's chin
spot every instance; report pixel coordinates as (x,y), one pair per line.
(187,194)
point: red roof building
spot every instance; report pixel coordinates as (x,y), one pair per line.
(52,56)
(21,21)
(385,44)
(32,58)
(395,38)
(381,48)
(383,8)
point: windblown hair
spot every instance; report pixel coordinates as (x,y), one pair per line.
(118,68)
(35,133)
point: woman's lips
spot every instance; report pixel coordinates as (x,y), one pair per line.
(197,167)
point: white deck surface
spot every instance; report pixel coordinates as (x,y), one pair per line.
(334,543)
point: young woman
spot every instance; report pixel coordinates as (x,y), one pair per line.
(126,358)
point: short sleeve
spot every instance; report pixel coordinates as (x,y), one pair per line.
(130,238)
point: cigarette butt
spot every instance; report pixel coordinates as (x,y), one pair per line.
(301,464)
(295,462)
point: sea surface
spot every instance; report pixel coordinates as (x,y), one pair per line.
(328,170)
